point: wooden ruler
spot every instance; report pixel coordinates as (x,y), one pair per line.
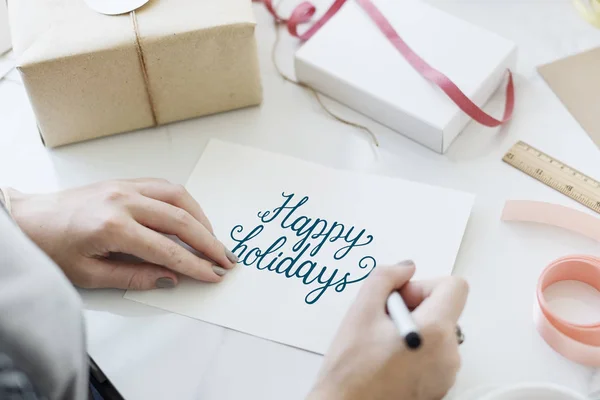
(556,174)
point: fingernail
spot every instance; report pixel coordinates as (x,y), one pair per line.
(219,271)
(231,257)
(406,263)
(163,283)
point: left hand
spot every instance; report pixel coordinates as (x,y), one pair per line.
(80,228)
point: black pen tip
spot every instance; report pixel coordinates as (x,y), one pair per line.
(413,340)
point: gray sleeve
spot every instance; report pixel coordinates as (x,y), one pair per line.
(42,346)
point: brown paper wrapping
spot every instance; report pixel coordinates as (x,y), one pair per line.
(84,76)
(576,82)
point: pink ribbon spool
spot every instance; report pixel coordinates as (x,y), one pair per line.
(577,342)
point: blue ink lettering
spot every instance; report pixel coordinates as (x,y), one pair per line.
(312,235)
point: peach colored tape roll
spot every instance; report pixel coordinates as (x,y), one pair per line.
(577,342)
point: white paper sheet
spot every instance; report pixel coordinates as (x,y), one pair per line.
(355,221)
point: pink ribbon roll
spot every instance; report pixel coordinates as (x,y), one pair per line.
(577,342)
(304,12)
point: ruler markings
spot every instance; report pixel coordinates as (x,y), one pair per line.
(555,174)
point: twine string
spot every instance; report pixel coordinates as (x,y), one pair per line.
(276,24)
(140,53)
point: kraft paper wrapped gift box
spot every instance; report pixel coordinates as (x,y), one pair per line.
(351,61)
(90,75)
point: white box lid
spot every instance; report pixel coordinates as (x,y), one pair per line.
(351,48)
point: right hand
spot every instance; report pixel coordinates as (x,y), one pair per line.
(369,360)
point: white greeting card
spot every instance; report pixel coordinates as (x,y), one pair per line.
(307,237)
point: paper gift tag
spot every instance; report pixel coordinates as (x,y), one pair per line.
(115,7)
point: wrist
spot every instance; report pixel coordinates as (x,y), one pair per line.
(323,391)
(5,200)
(318,393)
(12,201)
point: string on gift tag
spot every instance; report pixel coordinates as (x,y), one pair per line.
(303,13)
(589,10)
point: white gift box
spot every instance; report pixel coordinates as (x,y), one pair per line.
(5,43)
(351,61)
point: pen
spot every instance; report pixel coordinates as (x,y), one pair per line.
(402,318)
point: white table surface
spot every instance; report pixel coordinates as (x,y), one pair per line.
(151,354)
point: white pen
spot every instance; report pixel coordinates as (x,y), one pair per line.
(402,318)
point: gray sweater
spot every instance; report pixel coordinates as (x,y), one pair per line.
(42,345)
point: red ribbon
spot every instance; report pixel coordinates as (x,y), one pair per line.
(304,12)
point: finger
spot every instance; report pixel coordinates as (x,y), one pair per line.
(415,292)
(123,275)
(445,301)
(176,195)
(171,220)
(384,280)
(153,247)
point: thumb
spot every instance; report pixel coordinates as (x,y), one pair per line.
(384,280)
(125,275)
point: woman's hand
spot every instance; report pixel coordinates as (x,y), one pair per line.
(368,358)
(80,228)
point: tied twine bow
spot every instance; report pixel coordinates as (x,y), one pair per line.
(304,12)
